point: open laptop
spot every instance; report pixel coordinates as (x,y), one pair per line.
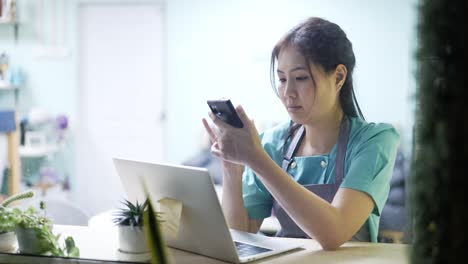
(203,229)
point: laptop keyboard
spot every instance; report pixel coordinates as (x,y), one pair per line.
(245,250)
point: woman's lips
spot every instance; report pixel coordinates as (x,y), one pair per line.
(292,108)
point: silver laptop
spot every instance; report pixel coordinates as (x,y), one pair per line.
(203,229)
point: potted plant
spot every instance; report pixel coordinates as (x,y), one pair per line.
(129,220)
(8,221)
(7,228)
(35,236)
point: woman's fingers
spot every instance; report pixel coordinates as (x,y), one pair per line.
(219,123)
(208,129)
(215,151)
(242,115)
(214,145)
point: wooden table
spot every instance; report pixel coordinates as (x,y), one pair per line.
(352,252)
(102,244)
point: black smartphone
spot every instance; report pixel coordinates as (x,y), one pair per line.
(224,109)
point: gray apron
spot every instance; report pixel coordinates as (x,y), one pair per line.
(326,191)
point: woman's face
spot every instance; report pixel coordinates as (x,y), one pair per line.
(308,99)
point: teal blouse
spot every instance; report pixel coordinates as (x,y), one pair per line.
(369,162)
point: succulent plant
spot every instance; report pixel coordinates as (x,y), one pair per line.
(131,214)
(48,242)
(16,197)
(9,217)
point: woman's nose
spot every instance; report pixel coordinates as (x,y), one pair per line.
(289,89)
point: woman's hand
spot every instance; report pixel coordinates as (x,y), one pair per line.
(236,145)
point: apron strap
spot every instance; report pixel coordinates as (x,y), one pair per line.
(343,137)
(292,149)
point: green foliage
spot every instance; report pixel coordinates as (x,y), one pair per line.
(8,216)
(154,236)
(8,219)
(131,214)
(13,218)
(439,181)
(71,249)
(48,242)
(30,218)
(16,197)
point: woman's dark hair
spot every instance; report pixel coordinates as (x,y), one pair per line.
(323,43)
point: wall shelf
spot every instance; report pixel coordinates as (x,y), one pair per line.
(6,87)
(37,152)
(10,22)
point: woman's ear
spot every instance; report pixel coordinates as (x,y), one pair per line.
(340,76)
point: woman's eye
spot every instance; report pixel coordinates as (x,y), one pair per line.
(302,78)
(282,80)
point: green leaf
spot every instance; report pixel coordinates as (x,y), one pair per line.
(154,236)
(69,242)
(72,250)
(16,197)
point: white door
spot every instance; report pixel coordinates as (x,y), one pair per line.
(121,99)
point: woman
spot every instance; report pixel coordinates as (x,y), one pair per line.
(325,174)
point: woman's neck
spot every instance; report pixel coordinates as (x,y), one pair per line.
(321,136)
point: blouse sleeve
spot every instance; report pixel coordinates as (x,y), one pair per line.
(257,200)
(371,164)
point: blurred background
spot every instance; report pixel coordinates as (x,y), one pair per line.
(90,80)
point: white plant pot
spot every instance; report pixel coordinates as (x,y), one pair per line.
(132,240)
(7,242)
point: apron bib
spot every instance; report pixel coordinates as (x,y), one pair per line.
(326,191)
